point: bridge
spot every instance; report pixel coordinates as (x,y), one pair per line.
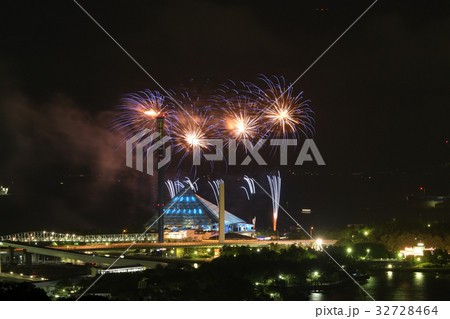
(74,257)
(45,236)
(71,247)
(102,241)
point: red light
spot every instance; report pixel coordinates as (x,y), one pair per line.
(421,188)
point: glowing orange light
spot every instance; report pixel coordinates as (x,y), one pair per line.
(151,113)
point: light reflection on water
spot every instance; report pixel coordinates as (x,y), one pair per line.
(394,285)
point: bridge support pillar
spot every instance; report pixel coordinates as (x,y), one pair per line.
(28,258)
(11,255)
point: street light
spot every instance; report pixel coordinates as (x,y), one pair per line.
(123,234)
(349,250)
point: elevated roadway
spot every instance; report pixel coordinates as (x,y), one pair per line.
(72,256)
(197,244)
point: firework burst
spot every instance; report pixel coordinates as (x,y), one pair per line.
(192,126)
(240,123)
(237,104)
(283,113)
(238,111)
(138,111)
(190,132)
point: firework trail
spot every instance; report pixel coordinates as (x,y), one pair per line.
(251,184)
(231,91)
(171,188)
(245,189)
(215,187)
(174,187)
(192,185)
(275,190)
(178,186)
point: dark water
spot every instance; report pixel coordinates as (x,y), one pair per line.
(394,286)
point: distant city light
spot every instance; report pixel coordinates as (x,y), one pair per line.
(389,266)
(415,251)
(318,244)
(195,265)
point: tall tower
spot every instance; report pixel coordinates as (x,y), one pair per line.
(160,126)
(222,213)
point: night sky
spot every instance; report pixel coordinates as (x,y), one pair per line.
(380,96)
